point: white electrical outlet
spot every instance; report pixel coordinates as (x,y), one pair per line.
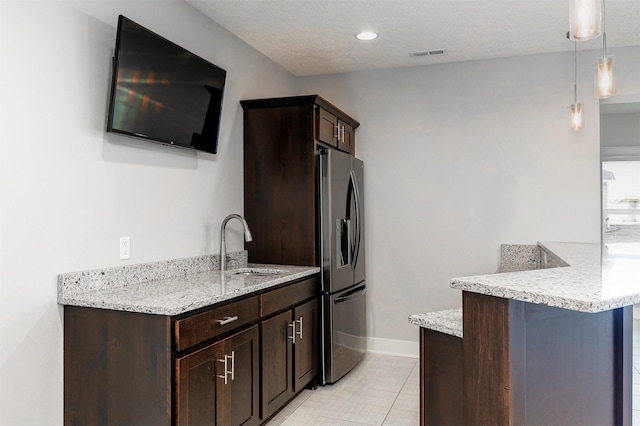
(125,248)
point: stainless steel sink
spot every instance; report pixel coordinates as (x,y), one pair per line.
(255,271)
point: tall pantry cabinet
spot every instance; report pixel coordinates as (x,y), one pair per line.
(281,136)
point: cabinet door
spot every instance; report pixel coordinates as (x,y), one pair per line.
(198,389)
(277,362)
(203,398)
(327,127)
(347,140)
(242,389)
(306,345)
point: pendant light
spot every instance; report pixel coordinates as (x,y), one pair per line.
(584,22)
(605,85)
(576,108)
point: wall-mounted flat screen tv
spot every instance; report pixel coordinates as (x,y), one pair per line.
(162,92)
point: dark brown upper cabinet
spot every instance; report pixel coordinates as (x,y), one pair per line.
(334,131)
(281,136)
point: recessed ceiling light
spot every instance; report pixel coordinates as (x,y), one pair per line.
(366,35)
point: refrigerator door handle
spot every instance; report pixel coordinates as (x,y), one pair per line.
(344,251)
(356,194)
(350,295)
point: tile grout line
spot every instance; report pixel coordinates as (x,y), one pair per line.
(393,403)
(398,394)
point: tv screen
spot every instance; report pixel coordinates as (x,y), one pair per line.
(162,92)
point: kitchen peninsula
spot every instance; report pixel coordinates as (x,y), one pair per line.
(548,342)
(181,342)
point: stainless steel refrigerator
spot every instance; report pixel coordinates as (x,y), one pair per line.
(343,308)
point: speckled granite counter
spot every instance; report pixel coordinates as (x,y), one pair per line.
(168,288)
(573,276)
(448,321)
(593,281)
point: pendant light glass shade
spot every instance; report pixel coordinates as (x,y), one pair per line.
(585,19)
(605,84)
(576,117)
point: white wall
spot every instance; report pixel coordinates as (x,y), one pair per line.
(459,158)
(462,157)
(68,190)
(621,129)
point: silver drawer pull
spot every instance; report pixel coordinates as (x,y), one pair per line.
(227,320)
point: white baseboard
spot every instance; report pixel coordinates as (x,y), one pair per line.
(393,347)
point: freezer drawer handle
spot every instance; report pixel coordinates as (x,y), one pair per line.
(227,320)
(350,295)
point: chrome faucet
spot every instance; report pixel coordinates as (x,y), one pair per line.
(223,245)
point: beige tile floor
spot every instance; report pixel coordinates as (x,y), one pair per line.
(384,390)
(381,390)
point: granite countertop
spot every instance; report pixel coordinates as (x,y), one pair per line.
(129,290)
(593,281)
(448,321)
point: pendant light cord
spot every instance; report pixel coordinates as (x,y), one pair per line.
(575,73)
(604,33)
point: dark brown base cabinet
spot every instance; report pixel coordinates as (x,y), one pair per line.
(441,371)
(523,363)
(540,365)
(130,368)
(289,355)
(117,367)
(218,385)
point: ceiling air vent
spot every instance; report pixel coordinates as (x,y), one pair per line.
(432,52)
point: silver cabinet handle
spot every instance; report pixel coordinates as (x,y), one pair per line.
(342,131)
(227,320)
(224,361)
(231,357)
(224,376)
(293,332)
(337,135)
(299,332)
(233,365)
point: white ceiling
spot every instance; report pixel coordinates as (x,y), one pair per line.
(312,37)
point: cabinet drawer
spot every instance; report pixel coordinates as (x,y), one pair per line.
(198,328)
(326,127)
(347,141)
(285,297)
